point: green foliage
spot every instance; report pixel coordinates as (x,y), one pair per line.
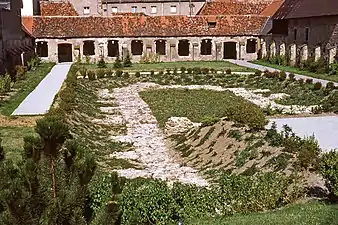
(147,202)
(126,75)
(330,85)
(33,63)
(5,83)
(282,76)
(209,120)
(331,103)
(83,71)
(101,63)
(150,58)
(228,71)
(247,114)
(127,61)
(87,58)
(317,86)
(309,81)
(183,70)
(118,73)
(101,73)
(137,74)
(20,72)
(292,77)
(2,152)
(118,63)
(91,75)
(329,170)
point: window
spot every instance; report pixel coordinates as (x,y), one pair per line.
(295,34)
(153,9)
(211,24)
(86,10)
(88,48)
(114,9)
(160,47)
(42,49)
(306,34)
(183,48)
(251,46)
(206,47)
(113,48)
(104,7)
(173,9)
(134,9)
(136,47)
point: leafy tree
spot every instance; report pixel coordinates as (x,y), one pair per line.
(329,170)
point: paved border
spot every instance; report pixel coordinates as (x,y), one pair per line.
(245,63)
(41,98)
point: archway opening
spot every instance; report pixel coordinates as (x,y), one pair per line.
(230,51)
(183,48)
(65,53)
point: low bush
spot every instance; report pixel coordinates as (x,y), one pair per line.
(101,63)
(91,75)
(127,61)
(118,63)
(20,72)
(197,70)
(209,120)
(309,81)
(282,76)
(5,83)
(126,75)
(189,70)
(317,86)
(152,73)
(228,71)
(118,73)
(329,170)
(137,74)
(258,73)
(100,73)
(183,70)
(205,70)
(247,114)
(330,104)
(330,85)
(301,81)
(175,71)
(292,77)
(212,70)
(83,71)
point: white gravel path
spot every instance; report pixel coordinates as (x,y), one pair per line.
(41,98)
(324,128)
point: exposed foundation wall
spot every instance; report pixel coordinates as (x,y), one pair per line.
(149,47)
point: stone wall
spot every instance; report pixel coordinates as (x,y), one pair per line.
(101,48)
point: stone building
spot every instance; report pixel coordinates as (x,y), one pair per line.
(16,44)
(63,35)
(303,29)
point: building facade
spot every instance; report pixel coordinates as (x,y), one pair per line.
(303,30)
(16,44)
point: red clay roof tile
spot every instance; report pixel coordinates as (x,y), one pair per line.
(48,8)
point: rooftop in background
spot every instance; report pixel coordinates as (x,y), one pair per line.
(49,8)
(233,8)
(292,9)
(143,26)
(148,1)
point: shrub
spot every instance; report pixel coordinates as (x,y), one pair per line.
(20,72)
(329,170)
(258,73)
(118,63)
(126,75)
(101,63)
(330,85)
(317,86)
(212,70)
(5,83)
(168,71)
(87,58)
(301,81)
(137,74)
(91,75)
(189,70)
(183,70)
(308,153)
(248,114)
(205,70)
(127,61)
(109,73)
(83,71)
(100,73)
(152,73)
(309,81)
(228,71)
(292,77)
(175,71)
(160,73)
(197,70)
(118,73)
(209,120)
(282,76)
(330,104)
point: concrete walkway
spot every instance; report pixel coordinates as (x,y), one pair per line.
(41,98)
(263,68)
(324,128)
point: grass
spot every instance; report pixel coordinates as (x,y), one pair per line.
(194,104)
(297,71)
(24,87)
(12,140)
(311,213)
(218,65)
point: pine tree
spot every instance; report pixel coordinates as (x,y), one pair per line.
(118,63)
(127,61)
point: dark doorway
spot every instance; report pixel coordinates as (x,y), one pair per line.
(136,47)
(65,53)
(183,48)
(230,50)
(113,48)
(251,46)
(42,49)
(206,47)
(88,48)
(160,47)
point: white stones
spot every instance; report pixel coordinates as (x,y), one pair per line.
(148,140)
(177,125)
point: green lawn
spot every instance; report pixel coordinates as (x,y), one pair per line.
(297,71)
(12,140)
(194,104)
(218,65)
(312,213)
(24,87)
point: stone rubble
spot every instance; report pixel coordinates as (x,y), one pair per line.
(149,140)
(178,125)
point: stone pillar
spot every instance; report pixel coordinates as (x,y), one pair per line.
(304,53)
(332,54)
(318,53)
(293,54)
(264,52)
(282,49)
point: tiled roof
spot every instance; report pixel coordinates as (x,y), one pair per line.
(272,8)
(27,22)
(292,9)
(233,8)
(145,26)
(49,8)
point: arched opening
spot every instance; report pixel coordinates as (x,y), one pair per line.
(42,49)
(183,48)
(113,48)
(206,47)
(88,48)
(160,47)
(136,47)
(65,53)
(229,50)
(251,45)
